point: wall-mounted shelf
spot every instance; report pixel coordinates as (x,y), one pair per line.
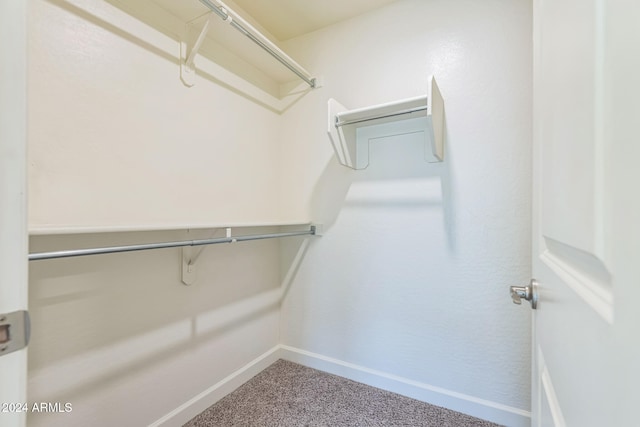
(351,130)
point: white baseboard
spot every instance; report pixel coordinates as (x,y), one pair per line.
(470,405)
(202,401)
(481,408)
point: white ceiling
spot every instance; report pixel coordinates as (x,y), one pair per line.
(285,19)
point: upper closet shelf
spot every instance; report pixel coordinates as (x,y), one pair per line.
(351,130)
(224,12)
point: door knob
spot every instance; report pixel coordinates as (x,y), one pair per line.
(529,293)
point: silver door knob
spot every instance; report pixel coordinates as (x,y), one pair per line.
(529,293)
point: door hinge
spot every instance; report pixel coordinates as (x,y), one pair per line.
(15,330)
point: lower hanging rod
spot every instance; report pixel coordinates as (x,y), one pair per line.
(164,245)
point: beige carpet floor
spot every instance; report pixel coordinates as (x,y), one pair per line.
(287,394)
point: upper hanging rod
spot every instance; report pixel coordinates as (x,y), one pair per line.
(147,246)
(263,42)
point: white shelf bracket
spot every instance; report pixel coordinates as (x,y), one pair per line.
(188,56)
(436,116)
(351,130)
(189,272)
(190,255)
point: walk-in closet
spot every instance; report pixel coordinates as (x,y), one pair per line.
(215,191)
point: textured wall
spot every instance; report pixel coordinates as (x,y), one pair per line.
(122,340)
(411,277)
(117,141)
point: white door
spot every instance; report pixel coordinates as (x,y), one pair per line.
(13,215)
(586,232)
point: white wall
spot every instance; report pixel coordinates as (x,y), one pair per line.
(125,343)
(409,283)
(116,141)
(408,288)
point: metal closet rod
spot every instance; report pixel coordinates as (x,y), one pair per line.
(225,16)
(381,116)
(147,246)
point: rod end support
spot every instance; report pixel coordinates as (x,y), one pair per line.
(316,229)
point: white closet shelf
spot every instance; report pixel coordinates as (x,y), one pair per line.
(44,230)
(351,130)
(220,44)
